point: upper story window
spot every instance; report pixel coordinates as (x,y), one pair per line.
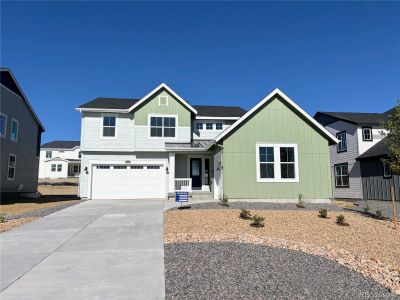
(3,125)
(218,126)
(14,130)
(162,126)
(209,126)
(277,163)
(53,167)
(342,145)
(79,155)
(163,100)
(342,176)
(12,164)
(48,154)
(367,134)
(59,167)
(109,126)
(199,126)
(386,170)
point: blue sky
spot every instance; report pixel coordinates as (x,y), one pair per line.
(327,56)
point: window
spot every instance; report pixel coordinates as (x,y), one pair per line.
(120,167)
(386,170)
(77,169)
(14,130)
(199,126)
(277,163)
(59,168)
(153,167)
(218,126)
(163,101)
(48,154)
(367,134)
(102,167)
(342,176)
(342,145)
(12,163)
(209,126)
(3,125)
(137,167)
(53,167)
(79,155)
(162,126)
(109,126)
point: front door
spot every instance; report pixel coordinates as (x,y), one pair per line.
(195,172)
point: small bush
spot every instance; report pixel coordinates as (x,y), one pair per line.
(245,214)
(300,202)
(323,213)
(224,201)
(367,208)
(257,221)
(378,214)
(2,219)
(340,220)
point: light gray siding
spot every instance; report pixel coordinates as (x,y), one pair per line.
(144,142)
(354,191)
(25,148)
(208,134)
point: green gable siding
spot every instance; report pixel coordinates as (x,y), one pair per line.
(174,108)
(276,123)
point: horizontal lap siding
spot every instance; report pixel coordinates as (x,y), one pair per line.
(276,123)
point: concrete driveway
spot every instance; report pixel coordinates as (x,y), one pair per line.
(99,249)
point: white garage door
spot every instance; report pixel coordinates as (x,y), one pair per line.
(128,181)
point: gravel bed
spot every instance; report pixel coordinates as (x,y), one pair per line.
(384,206)
(43,211)
(246,271)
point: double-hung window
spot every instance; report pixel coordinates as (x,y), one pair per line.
(14,130)
(53,167)
(109,124)
(342,145)
(59,167)
(342,175)
(277,163)
(162,126)
(386,170)
(48,154)
(12,164)
(3,125)
(367,134)
(199,126)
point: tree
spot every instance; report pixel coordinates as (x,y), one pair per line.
(393,139)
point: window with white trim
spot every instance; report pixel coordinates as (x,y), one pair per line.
(218,126)
(59,167)
(342,175)
(209,126)
(162,126)
(48,154)
(277,163)
(14,130)
(53,167)
(386,170)
(12,164)
(109,126)
(342,145)
(163,101)
(367,134)
(199,126)
(3,125)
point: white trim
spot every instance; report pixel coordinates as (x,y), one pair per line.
(265,100)
(162,137)
(159,100)
(277,163)
(163,85)
(106,110)
(5,126)
(59,149)
(11,128)
(102,122)
(216,118)
(15,166)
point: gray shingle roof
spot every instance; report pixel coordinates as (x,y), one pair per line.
(61,144)
(110,103)
(380,149)
(219,111)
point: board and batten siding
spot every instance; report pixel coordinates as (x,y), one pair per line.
(276,123)
(375,186)
(354,191)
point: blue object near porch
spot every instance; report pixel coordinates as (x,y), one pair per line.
(181,196)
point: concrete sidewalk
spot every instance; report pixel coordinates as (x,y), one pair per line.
(99,249)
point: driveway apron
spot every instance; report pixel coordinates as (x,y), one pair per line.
(99,249)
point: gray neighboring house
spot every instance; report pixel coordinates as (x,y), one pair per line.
(377,179)
(20,131)
(357,133)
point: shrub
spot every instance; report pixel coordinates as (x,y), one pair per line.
(323,213)
(224,200)
(300,202)
(2,219)
(378,214)
(340,219)
(245,214)
(257,221)
(367,208)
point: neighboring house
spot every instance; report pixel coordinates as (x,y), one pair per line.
(356,132)
(60,159)
(153,146)
(20,133)
(377,179)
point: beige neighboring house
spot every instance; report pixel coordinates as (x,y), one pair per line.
(60,159)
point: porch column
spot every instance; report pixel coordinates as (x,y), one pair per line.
(171,176)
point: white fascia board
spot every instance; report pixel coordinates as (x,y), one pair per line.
(269,98)
(103,110)
(163,85)
(216,118)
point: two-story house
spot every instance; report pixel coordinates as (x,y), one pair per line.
(160,143)
(20,134)
(356,132)
(60,159)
